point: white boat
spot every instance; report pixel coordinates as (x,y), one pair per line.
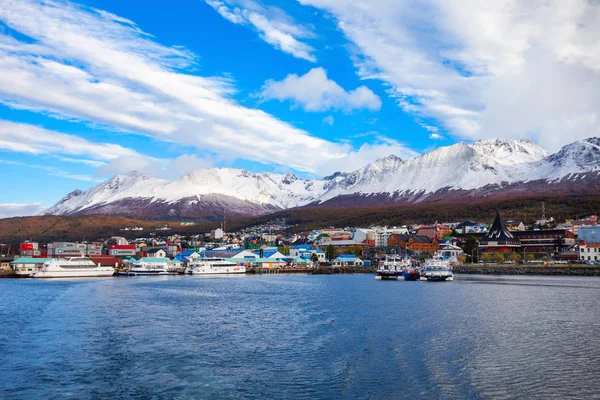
(392,267)
(151,266)
(437,269)
(74,267)
(209,266)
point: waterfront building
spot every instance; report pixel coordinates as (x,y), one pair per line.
(589,251)
(5,261)
(450,252)
(499,239)
(26,266)
(589,233)
(554,242)
(305,251)
(347,260)
(415,243)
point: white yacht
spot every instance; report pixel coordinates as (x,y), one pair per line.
(437,269)
(208,266)
(74,267)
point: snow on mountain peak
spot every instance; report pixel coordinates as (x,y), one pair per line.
(459,166)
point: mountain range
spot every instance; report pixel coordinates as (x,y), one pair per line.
(482,170)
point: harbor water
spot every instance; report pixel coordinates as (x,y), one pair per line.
(300,336)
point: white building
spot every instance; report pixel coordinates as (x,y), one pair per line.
(346,260)
(382,236)
(361,235)
(451,253)
(589,251)
(156,253)
(217,234)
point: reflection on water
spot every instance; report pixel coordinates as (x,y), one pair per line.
(300,337)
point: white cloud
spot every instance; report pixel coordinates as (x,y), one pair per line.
(159,168)
(25,138)
(273,24)
(367,153)
(507,68)
(87,65)
(315,92)
(436,136)
(329,120)
(9,210)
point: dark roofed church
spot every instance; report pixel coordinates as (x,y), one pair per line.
(499,239)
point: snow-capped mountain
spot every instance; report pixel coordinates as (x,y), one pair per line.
(484,168)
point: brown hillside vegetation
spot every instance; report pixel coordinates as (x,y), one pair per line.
(75,228)
(92,227)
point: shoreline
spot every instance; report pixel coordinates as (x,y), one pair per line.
(543,270)
(470,269)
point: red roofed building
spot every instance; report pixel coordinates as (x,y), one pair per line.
(589,251)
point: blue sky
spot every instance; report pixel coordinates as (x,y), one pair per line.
(94,88)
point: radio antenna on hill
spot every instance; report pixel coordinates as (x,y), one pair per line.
(543,210)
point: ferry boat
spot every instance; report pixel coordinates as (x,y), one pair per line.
(391,268)
(74,267)
(437,269)
(210,266)
(150,266)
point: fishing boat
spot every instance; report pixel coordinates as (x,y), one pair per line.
(411,274)
(74,267)
(437,269)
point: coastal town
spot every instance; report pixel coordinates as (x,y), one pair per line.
(272,248)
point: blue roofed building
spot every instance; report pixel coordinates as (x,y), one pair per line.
(347,260)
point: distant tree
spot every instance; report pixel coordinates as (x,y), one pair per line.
(529,257)
(315,258)
(471,247)
(330,252)
(516,257)
(462,259)
(499,258)
(487,257)
(285,250)
(356,250)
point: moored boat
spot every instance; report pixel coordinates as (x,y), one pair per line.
(437,269)
(211,266)
(75,267)
(411,274)
(150,266)
(391,268)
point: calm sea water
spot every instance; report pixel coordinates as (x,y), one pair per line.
(299,336)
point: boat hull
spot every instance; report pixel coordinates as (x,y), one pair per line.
(148,273)
(217,272)
(385,276)
(439,278)
(98,273)
(411,276)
